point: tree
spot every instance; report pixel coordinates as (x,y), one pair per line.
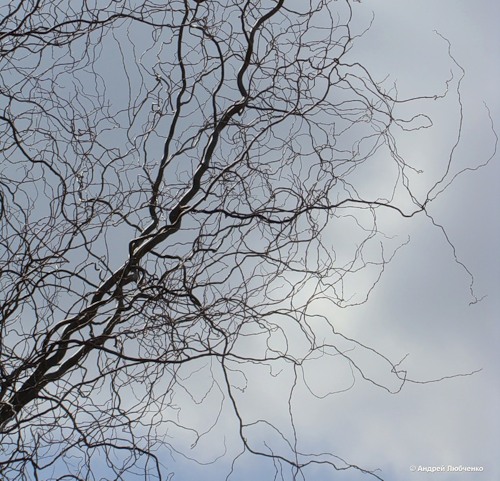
(183,185)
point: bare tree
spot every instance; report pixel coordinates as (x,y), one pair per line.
(182,193)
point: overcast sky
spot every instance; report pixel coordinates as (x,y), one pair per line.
(424,308)
(421,305)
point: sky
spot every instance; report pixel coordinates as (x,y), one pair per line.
(421,306)
(422,310)
(435,308)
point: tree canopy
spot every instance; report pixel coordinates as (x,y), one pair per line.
(185,187)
